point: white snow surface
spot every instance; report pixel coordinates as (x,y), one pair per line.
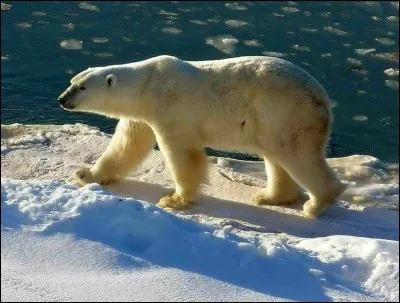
(60,242)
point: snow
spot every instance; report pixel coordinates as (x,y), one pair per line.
(61,242)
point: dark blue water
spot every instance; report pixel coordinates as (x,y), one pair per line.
(347,46)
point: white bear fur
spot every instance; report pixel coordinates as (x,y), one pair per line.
(260,105)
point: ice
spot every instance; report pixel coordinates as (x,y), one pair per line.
(23,25)
(171,30)
(309,30)
(224,43)
(88,6)
(354,61)
(69,26)
(252,43)
(290,9)
(274,54)
(385,41)
(235,23)
(392,84)
(100,40)
(336,31)
(392,72)
(364,51)
(5,6)
(301,48)
(198,22)
(72,44)
(360,118)
(235,6)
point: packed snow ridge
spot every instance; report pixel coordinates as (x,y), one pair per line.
(61,242)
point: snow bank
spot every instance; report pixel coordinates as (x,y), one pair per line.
(60,242)
(140,237)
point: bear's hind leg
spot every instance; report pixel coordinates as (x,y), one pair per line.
(281,188)
(129,146)
(314,174)
(188,167)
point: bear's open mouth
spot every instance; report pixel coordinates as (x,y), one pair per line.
(67,106)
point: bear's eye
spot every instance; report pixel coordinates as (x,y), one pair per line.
(82,88)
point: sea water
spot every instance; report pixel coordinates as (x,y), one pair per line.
(350,47)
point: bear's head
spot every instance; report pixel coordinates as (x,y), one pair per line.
(90,91)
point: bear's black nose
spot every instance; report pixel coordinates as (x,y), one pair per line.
(61,100)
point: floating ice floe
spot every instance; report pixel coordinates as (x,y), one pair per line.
(290,9)
(385,41)
(23,25)
(70,26)
(166,13)
(392,19)
(235,6)
(335,31)
(198,22)
(274,54)
(360,71)
(360,118)
(364,51)
(224,43)
(326,55)
(392,84)
(253,43)
(5,6)
(100,40)
(307,13)
(88,6)
(376,18)
(354,61)
(72,44)
(235,23)
(39,14)
(309,30)
(301,47)
(171,30)
(392,72)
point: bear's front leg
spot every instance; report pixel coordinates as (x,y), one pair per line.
(129,146)
(188,166)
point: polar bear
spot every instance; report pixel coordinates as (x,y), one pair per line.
(262,105)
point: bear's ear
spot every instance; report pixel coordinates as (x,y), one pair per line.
(111,80)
